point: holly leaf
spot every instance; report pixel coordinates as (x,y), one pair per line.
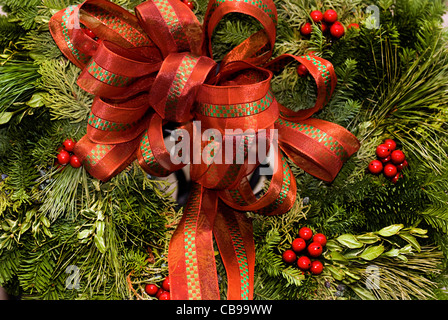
(373,252)
(349,241)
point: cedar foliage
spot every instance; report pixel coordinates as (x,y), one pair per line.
(392,82)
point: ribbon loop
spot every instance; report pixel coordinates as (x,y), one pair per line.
(152,155)
(264,11)
(113,72)
(323,73)
(174,90)
(171,25)
(319,147)
(114,122)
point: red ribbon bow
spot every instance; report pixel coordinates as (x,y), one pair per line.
(156,67)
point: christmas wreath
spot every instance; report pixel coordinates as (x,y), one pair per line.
(354,209)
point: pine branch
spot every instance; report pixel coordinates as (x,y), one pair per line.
(64,98)
(17,84)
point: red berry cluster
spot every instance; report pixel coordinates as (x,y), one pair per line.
(327,21)
(313,248)
(162,292)
(66,156)
(391,161)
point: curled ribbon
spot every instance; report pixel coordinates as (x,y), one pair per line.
(157,67)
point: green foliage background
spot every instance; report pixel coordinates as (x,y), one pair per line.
(392,83)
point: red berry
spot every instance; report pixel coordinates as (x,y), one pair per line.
(151,289)
(165,296)
(391,144)
(396,177)
(316,15)
(337,30)
(305,233)
(353,25)
(89,33)
(316,267)
(385,160)
(315,249)
(166,284)
(390,170)
(69,145)
(63,157)
(382,151)
(298,245)
(324,27)
(320,238)
(306,29)
(402,165)
(397,156)
(190,4)
(304,263)
(75,162)
(330,16)
(289,256)
(375,166)
(302,71)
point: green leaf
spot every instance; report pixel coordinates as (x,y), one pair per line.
(392,253)
(390,230)
(45,221)
(336,272)
(407,249)
(5,117)
(351,254)
(47,232)
(36,100)
(333,245)
(100,244)
(84,234)
(352,275)
(336,256)
(418,232)
(100,228)
(371,253)
(368,238)
(363,293)
(349,241)
(25,226)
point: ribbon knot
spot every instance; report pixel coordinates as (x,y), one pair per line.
(157,67)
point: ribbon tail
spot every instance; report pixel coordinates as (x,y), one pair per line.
(191,260)
(233,234)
